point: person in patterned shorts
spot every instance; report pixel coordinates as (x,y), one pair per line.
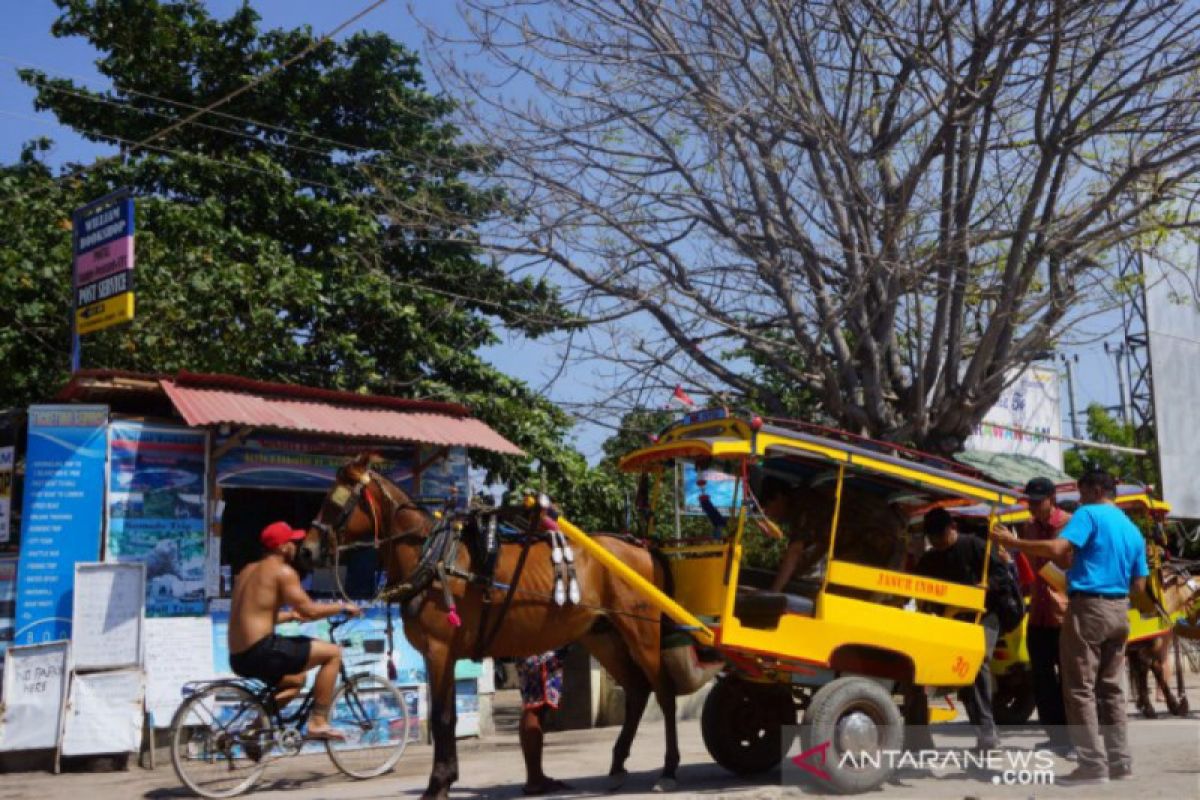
(541,680)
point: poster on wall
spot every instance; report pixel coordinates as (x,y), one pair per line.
(8,604)
(363,641)
(7,457)
(178,650)
(62,514)
(156,511)
(444,471)
(288,462)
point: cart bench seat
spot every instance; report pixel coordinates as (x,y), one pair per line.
(763,609)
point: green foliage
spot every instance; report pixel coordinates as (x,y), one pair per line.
(268,238)
(1105,428)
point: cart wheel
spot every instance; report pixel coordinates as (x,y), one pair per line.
(1013,701)
(742,724)
(853,715)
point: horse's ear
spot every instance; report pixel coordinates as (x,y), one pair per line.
(374,457)
(363,460)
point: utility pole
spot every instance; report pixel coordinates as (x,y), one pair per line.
(1118,353)
(1071,392)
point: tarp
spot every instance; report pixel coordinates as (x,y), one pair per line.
(1012,469)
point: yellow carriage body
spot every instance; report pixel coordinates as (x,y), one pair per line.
(857,621)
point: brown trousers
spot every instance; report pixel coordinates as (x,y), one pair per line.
(1091,658)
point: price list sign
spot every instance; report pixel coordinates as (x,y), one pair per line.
(63,515)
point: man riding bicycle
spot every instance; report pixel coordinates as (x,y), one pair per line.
(259,592)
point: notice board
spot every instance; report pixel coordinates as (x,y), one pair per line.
(35,689)
(178,650)
(110,602)
(104,713)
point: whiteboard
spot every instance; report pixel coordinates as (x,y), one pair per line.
(104,713)
(35,688)
(110,603)
(178,650)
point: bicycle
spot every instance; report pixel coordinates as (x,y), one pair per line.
(227,731)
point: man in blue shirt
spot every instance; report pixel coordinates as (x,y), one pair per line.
(1105,557)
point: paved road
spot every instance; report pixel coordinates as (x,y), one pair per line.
(1166,753)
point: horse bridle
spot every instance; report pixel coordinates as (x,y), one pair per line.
(346,500)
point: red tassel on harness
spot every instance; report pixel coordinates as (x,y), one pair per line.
(455,619)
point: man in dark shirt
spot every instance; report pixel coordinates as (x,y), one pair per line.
(959,558)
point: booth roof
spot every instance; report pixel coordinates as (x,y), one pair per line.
(208,400)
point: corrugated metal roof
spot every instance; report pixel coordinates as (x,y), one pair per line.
(217,406)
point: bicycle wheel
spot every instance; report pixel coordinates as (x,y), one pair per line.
(373,715)
(219,739)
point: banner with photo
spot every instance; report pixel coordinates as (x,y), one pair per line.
(288,462)
(444,470)
(156,511)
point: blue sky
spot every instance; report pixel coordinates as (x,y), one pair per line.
(26,39)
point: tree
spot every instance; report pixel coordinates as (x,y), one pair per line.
(888,207)
(320,228)
(1104,428)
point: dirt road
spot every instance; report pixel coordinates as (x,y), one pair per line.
(1166,762)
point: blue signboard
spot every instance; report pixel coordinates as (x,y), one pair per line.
(156,511)
(445,472)
(62,515)
(106,220)
(721,488)
(288,462)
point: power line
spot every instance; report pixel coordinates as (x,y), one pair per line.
(182,104)
(199,112)
(109,101)
(172,151)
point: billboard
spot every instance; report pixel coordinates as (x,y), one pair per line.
(1024,419)
(1173,322)
(62,515)
(156,508)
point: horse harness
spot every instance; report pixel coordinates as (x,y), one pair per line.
(478,530)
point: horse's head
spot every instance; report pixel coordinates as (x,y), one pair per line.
(1180,591)
(361,507)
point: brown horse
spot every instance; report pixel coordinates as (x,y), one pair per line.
(1149,656)
(617,626)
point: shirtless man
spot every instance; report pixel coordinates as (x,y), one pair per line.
(259,592)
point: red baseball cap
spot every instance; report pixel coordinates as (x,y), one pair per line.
(277,534)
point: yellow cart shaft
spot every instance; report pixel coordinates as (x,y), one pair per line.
(655,596)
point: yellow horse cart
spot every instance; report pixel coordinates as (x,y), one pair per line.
(836,647)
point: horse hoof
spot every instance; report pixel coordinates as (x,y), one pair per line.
(615,782)
(1183,708)
(665,785)
(1148,712)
